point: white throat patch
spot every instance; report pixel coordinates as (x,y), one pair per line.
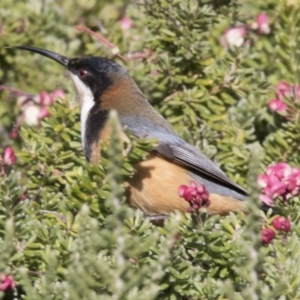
(86,101)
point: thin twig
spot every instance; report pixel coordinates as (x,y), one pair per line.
(2,168)
(115,50)
(13,90)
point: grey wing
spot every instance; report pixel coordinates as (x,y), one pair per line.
(174,148)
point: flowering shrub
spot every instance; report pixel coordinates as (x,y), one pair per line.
(211,68)
(283,91)
(235,36)
(280,224)
(33,108)
(280,181)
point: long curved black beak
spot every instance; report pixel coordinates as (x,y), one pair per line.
(63,60)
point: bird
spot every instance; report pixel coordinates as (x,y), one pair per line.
(103,85)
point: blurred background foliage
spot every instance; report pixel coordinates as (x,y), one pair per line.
(65,231)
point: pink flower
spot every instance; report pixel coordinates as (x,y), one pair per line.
(9,156)
(280,180)
(273,179)
(182,191)
(280,170)
(57,94)
(234,36)
(290,183)
(261,24)
(277,189)
(277,105)
(266,199)
(45,98)
(34,107)
(7,283)
(296,176)
(295,192)
(267,235)
(196,196)
(263,180)
(31,114)
(14,133)
(282,224)
(284,90)
(44,113)
(126,23)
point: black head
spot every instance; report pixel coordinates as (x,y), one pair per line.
(97,73)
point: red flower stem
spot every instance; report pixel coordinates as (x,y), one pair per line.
(12,90)
(139,55)
(2,168)
(114,48)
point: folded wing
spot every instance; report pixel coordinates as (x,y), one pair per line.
(174,148)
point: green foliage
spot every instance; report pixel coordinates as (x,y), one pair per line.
(65,229)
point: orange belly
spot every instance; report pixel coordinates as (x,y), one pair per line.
(154,189)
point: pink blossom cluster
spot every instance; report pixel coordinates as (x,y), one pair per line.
(34,108)
(280,224)
(284,90)
(196,196)
(279,181)
(126,23)
(8,157)
(236,35)
(6,283)
(267,235)
(261,24)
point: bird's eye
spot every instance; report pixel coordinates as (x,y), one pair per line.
(82,73)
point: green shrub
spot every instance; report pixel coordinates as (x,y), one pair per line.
(66,231)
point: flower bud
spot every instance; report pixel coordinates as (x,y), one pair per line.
(44,113)
(6,283)
(182,188)
(126,23)
(193,185)
(234,36)
(57,94)
(31,114)
(277,105)
(267,235)
(196,196)
(283,89)
(263,26)
(9,156)
(282,224)
(45,98)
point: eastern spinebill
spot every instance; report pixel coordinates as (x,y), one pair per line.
(103,85)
